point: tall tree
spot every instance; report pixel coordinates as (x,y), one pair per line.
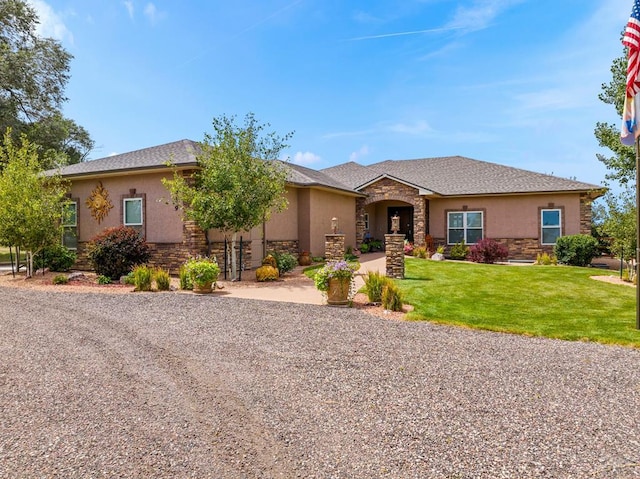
(621,165)
(31,204)
(34,72)
(239,181)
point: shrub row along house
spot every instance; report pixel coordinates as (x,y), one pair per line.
(440,201)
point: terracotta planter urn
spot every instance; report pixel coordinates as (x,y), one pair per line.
(205,288)
(304,259)
(338,292)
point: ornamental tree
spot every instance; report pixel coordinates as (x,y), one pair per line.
(239,182)
(31,204)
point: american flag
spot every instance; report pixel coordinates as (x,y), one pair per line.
(629,132)
(631,39)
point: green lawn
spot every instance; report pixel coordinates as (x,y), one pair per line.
(4,255)
(553,301)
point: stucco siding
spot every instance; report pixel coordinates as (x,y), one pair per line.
(323,206)
(508,216)
(162,222)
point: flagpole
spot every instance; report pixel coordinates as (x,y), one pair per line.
(637,144)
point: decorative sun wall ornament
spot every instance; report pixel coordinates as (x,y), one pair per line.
(99,202)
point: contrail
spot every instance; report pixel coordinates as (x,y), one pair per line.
(399,34)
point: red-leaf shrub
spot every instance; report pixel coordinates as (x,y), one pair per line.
(116,251)
(488,251)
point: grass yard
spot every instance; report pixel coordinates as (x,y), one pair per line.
(4,255)
(552,301)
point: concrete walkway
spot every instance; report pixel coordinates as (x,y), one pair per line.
(298,291)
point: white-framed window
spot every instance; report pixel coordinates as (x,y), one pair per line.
(465,226)
(550,225)
(70,225)
(132,213)
(366,221)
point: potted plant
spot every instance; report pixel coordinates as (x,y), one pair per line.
(336,280)
(203,273)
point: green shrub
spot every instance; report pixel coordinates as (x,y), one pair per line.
(374,283)
(488,251)
(266,273)
(116,251)
(55,257)
(576,250)
(102,279)
(546,259)
(142,276)
(375,245)
(420,252)
(162,278)
(128,279)
(440,249)
(317,259)
(202,271)
(364,248)
(459,251)
(60,279)
(391,297)
(185,280)
(285,262)
(348,254)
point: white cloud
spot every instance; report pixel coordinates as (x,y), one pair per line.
(305,158)
(152,13)
(481,14)
(360,153)
(129,7)
(418,128)
(51,25)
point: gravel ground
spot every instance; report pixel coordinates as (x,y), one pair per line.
(176,385)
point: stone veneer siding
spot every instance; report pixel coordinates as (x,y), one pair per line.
(283,246)
(389,190)
(394,253)
(586,214)
(334,247)
(519,248)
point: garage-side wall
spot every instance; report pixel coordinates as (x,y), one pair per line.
(324,205)
(513,220)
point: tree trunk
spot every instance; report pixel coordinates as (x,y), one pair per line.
(234,262)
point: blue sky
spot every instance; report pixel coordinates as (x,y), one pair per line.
(514,82)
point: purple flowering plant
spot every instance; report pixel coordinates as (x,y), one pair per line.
(335,269)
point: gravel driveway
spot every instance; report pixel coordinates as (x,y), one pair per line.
(177,385)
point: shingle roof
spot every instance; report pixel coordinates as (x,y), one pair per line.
(183,153)
(180,153)
(446,176)
(456,175)
(300,175)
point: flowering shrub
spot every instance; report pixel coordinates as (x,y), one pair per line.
(488,251)
(408,248)
(334,269)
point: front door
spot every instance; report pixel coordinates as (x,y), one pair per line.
(406,220)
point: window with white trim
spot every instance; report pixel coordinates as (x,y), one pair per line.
(366,221)
(70,225)
(132,217)
(464,226)
(551,225)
